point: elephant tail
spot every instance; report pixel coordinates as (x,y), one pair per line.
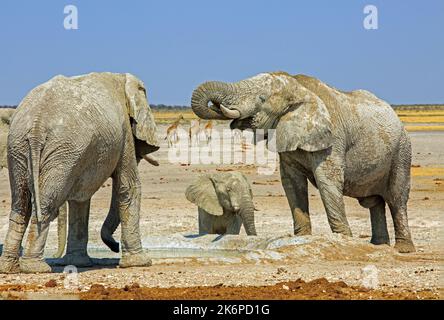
(35,148)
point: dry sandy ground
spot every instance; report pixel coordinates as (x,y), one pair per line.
(167,216)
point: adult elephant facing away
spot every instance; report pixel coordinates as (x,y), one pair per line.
(108,228)
(66,138)
(344,143)
(5,121)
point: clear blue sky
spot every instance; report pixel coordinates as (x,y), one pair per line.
(175,45)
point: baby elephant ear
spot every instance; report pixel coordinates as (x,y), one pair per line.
(306,126)
(203,194)
(143,125)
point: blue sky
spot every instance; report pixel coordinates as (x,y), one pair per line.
(175,45)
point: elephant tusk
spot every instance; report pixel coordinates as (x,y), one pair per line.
(230,113)
(151,160)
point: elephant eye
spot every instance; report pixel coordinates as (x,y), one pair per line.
(142,89)
(262,98)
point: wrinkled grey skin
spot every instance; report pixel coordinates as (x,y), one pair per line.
(224,201)
(344,143)
(5,120)
(66,138)
(108,228)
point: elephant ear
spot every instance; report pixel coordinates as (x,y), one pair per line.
(306,126)
(203,194)
(143,125)
(248,184)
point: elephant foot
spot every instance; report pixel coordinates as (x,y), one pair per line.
(135,260)
(380,240)
(34,265)
(78,260)
(303,232)
(9,265)
(405,246)
(344,231)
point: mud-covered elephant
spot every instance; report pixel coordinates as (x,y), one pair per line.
(344,143)
(224,201)
(66,138)
(108,228)
(5,120)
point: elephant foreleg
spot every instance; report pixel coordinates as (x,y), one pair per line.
(380,233)
(329,178)
(403,239)
(234,225)
(205,221)
(296,189)
(76,249)
(128,199)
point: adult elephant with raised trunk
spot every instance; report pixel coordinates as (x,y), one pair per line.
(344,143)
(66,138)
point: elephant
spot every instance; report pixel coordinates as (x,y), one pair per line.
(66,138)
(5,120)
(225,202)
(345,143)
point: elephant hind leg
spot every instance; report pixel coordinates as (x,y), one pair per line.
(376,205)
(32,260)
(76,249)
(18,220)
(296,189)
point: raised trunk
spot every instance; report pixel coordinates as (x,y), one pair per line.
(215,92)
(247,214)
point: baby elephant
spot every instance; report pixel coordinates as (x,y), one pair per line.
(224,201)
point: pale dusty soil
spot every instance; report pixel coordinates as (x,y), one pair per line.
(165,212)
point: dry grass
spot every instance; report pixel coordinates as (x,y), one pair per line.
(424,128)
(427,172)
(422,119)
(419,112)
(421,116)
(170,116)
(408,117)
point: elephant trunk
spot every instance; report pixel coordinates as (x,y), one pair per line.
(218,93)
(247,214)
(61,230)
(111,223)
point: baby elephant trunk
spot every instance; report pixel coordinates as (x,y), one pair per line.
(247,214)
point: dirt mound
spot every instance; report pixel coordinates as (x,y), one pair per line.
(319,289)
